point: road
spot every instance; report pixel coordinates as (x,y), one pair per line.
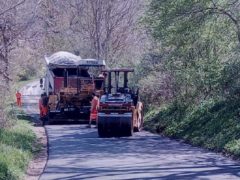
(76,152)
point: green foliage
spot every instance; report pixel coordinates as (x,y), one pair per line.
(27,73)
(16,147)
(161,120)
(199,54)
(213,124)
(197,40)
(230,77)
(233,147)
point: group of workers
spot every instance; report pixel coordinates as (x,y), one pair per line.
(43,105)
(43,108)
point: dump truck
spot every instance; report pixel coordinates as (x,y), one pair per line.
(69,83)
(120,110)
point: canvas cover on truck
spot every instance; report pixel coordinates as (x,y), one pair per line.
(63,59)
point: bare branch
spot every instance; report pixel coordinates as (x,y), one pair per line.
(13,7)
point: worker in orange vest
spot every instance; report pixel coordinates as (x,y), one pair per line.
(40,106)
(19,99)
(43,107)
(94,109)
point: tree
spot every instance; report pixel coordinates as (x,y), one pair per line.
(197,38)
(11,29)
(107,27)
(99,29)
(8,33)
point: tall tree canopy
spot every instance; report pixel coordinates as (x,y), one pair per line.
(198,41)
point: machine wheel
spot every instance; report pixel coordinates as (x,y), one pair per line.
(48,122)
(101,131)
(50,119)
(128,131)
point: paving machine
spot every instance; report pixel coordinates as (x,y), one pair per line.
(120,111)
(69,84)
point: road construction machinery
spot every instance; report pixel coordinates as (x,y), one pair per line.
(69,83)
(120,111)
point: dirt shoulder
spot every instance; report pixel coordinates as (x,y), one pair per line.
(37,164)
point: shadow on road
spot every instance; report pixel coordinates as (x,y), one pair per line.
(185,173)
(78,153)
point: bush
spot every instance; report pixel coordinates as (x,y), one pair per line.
(4,173)
(233,147)
(28,72)
(213,124)
(16,147)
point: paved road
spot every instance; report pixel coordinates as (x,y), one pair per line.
(76,152)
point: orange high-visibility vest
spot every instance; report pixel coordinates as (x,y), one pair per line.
(18,95)
(19,101)
(44,110)
(94,108)
(94,104)
(40,106)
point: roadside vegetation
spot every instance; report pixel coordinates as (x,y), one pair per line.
(213,124)
(17,146)
(18,142)
(192,73)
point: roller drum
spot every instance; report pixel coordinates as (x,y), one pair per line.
(115,124)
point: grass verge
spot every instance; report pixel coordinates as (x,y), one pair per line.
(213,124)
(17,146)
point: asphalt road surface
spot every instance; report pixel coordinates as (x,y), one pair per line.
(76,152)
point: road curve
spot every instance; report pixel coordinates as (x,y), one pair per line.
(76,152)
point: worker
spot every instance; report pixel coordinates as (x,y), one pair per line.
(44,108)
(94,109)
(19,99)
(40,106)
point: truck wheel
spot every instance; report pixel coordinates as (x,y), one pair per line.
(48,122)
(101,131)
(128,130)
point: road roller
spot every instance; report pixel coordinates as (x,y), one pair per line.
(120,111)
